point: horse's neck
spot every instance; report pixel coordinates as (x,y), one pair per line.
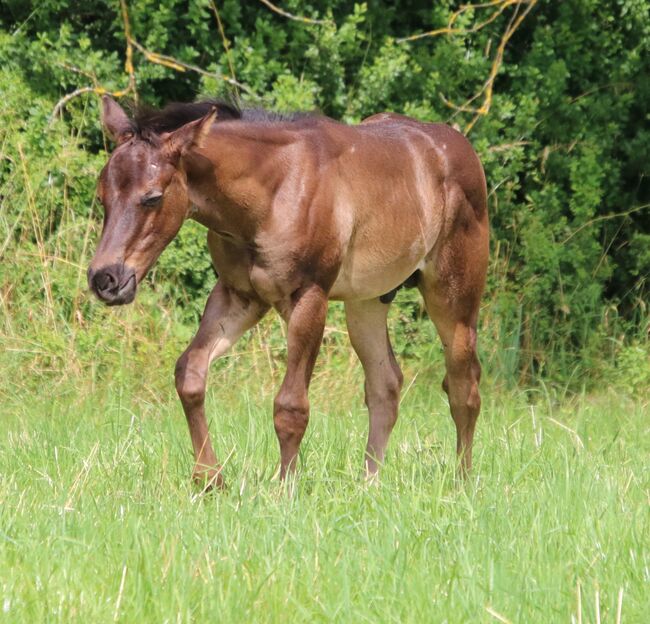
(232,177)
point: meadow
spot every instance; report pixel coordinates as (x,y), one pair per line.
(99,521)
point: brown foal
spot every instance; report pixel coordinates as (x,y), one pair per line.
(301,209)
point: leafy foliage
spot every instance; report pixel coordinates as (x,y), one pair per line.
(565,143)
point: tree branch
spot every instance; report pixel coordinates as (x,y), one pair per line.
(607,217)
(450,30)
(181,66)
(128,63)
(291,16)
(152,57)
(65,99)
(488,85)
(487,89)
(224,40)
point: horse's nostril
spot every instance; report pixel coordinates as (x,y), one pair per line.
(114,284)
(105,281)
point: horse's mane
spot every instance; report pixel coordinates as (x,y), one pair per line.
(148,120)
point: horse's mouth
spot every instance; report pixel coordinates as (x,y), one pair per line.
(124,295)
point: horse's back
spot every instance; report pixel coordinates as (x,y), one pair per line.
(458,160)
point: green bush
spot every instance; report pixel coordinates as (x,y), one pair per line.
(565,144)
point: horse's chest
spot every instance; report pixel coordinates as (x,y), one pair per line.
(275,282)
(266,284)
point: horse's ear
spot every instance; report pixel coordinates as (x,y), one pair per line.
(190,135)
(116,122)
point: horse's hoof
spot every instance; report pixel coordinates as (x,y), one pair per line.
(208,480)
(371,479)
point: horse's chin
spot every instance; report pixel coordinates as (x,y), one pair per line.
(120,301)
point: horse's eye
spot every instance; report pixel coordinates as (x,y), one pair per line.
(151,200)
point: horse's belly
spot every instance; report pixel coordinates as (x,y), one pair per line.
(374,271)
(390,233)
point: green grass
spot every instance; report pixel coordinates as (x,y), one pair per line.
(98,520)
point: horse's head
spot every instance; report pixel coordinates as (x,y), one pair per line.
(144,193)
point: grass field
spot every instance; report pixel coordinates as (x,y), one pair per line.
(99,523)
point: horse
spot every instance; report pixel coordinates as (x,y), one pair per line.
(300,209)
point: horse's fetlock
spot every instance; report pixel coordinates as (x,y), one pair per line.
(290,415)
(286,402)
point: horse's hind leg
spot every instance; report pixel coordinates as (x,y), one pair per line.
(452,284)
(227,316)
(368,333)
(456,326)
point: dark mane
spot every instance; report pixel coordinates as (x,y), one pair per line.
(176,114)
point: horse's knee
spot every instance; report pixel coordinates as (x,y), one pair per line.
(190,383)
(290,415)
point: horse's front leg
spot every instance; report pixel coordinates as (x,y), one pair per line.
(305,316)
(227,316)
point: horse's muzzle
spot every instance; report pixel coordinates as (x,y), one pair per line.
(114,284)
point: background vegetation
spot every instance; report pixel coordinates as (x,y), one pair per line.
(554,95)
(98,521)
